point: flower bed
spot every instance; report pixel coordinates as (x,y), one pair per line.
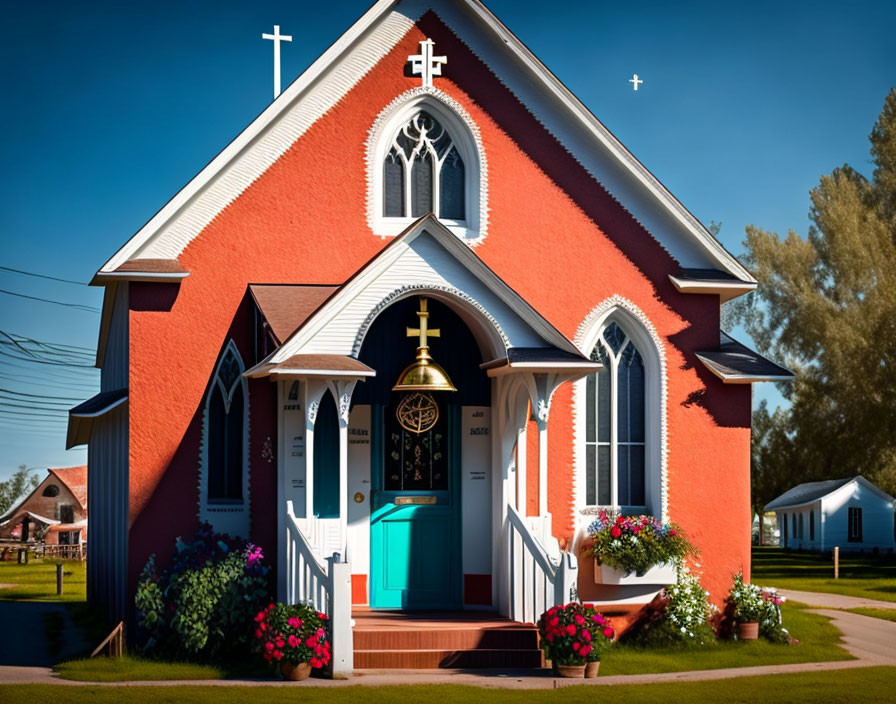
(635,544)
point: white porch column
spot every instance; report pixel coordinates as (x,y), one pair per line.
(521,470)
(311,392)
(342,393)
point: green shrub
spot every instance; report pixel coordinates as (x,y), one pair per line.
(749,603)
(201,608)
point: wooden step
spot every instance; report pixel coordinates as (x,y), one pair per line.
(461,640)
(426,659)
(447,639)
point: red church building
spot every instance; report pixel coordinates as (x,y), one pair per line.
(410,331)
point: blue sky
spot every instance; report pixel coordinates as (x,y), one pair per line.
(110,108)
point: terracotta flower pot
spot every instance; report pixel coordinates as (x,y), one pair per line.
(748,631)
(295,673)
(576,671)
(591,669)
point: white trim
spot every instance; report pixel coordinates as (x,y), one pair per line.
(268,136)
(225,517)
(330,374)
(351,57)
(726,290)
(643,334)
(464,135)
(384,261)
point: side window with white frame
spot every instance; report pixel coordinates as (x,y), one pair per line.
(615,424)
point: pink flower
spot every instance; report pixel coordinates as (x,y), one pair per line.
(294,642)
(294,622)
(269,646)
(586,635)
(673,532)
(584,651)
(555,621)
(576,645)
(316,663)
(260,616)
(258,633)
(571,629)
(280,642)
(580,619)
(277,655)
(608,632)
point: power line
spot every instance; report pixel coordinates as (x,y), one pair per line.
(25,338)
(42,276)
(78,306)
(34,360)
(22,393)
(8,404)
(47,415)
(35,381)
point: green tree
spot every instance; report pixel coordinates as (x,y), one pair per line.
(826,306)
(16,487)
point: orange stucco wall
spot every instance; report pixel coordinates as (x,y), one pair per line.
(554,235)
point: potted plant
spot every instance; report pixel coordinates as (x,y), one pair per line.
(635,549)
(602,635)
(571,636)
(747,605)
(756,611)
(294,638)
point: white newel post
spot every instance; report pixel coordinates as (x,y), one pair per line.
(341,617)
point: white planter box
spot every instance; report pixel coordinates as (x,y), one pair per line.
(661,575)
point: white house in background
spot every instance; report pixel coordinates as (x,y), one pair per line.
(852,514)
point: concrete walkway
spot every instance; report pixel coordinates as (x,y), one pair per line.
(835,601)
(869,640)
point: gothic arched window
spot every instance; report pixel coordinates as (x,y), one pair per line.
(615,423)
(226,417)
(423,172)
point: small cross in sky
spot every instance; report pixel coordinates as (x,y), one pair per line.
(276,37)
(426,64)
(635,81)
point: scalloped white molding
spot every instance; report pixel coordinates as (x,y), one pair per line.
(225,518)
(642,332)
(466,137)
(417,288)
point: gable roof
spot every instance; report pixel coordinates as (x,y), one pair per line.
(381,262)
(810,492)
(336,72)
(75,479)
(286,307)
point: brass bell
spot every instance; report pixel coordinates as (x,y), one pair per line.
(423,374)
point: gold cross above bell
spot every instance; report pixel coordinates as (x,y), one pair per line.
(423,374)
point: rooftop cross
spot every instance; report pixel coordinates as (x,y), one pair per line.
(425,64)
(423,331)
(635,80)
(276,37)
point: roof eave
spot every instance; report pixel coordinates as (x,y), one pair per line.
(741,378)
(725,290)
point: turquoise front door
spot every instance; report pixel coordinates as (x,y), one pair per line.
(415,515)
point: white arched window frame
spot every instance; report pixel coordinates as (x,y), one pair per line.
(638,329)
(226,515)
(464,137)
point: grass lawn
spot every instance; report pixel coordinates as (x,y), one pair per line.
(868,576)
(818,642)
(868,685)
(36,581)
(887,614)
(129,668)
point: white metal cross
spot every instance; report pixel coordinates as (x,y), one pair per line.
(635,80)
(276,37)
(426,64)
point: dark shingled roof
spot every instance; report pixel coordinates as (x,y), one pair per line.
(806,493)
(542,355)
(706,275)
(734,360)
(98,403)
(286,307)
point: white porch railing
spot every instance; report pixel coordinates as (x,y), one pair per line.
(537,582)
(328,589)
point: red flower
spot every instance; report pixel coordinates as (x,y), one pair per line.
(672,531)
(258,633)
(269,646)
(294,642)
(584,651)
(588,606)
(586,635)
(571,629)
(576,645)
(608,632)
(615,532)
(555,621)
(620,520)
(316,663)
(294,622)
(277,655)
(580,619)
